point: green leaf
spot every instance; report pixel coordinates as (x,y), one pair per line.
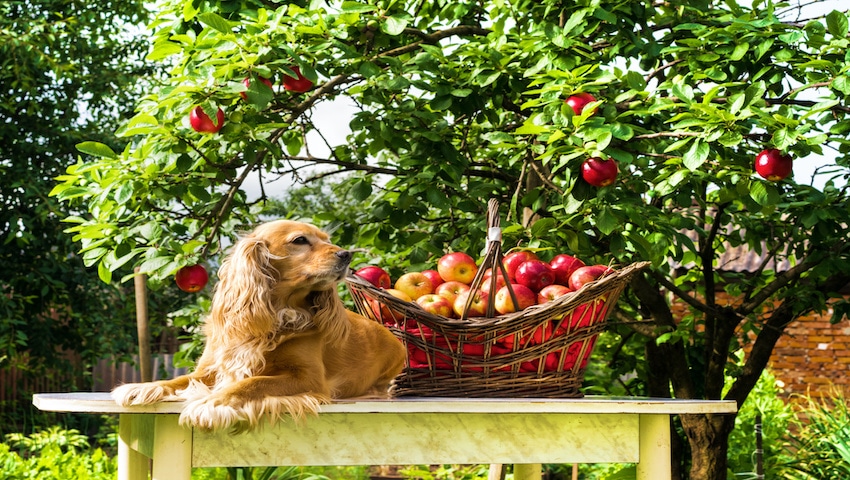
(437,198)
(764,194)
(96,149)
(124,193)
(635,80)
(104,273)
(369,69)
(529,128)
(783,138)
(542,227)
(696,155)
(606,221)
(836,23)
(153,264)
(394,25)
(842,84)
(361,190)
(684,92)
(163,49)
(575,20)
(215,21)
(357,7)
(622,131)
(739,51)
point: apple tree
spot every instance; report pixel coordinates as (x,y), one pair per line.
(69,72)
(453,103)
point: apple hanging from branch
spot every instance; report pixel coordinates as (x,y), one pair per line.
(248,81)
(202,123)
(299,83)
(599,172)
(773,165)
(192,278)
(580,100)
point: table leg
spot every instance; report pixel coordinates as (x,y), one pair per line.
(132,465)
(654,450)
(172,450)
(528,471)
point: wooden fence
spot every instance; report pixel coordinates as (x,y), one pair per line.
(16,384)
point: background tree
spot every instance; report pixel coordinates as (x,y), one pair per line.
(69,71)
(457,102)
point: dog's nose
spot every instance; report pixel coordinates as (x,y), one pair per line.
(344,255)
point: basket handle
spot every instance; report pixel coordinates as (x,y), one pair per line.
(493,260)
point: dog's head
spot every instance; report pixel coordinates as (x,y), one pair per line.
(302,257)
(281,276)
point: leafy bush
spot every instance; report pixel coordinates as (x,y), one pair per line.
(52,454)
(766,402)
(819,443)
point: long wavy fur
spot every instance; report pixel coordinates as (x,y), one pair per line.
(279,341)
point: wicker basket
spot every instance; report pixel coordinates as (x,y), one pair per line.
(541,351)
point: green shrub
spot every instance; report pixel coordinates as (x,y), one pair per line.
(52,454)
(819,441)
(776,414)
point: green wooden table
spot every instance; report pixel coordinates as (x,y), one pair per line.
(407,431)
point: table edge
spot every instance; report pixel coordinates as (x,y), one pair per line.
(101,402)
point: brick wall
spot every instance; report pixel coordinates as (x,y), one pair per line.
(811,356)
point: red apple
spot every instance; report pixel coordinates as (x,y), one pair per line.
(587,274)
(773,165)
(192,278)
(297,84)
(387,314)
(375,275)
(551,292)
(599,172)
(451,289)
(436,304)
(487,280)
(513,260)
(535,274)
(457,266)
(414,284)
(578,101)
(202,123)
(247,82)
(503,303)
(564,265)
(434,276)
(478,307)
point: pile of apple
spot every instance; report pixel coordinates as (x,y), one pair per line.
(446,291)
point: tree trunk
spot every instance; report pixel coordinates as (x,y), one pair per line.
(708,435)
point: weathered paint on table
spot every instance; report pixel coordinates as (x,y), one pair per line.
(407,431)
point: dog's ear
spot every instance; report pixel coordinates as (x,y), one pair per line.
(242,303)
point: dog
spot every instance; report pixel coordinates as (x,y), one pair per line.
(278,338)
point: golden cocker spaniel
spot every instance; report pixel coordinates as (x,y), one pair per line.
(278,338)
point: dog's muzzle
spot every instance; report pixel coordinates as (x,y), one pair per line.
(343,260)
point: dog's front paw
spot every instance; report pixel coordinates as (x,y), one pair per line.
(138,394)
(211,414)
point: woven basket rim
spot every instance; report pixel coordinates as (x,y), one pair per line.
(570,300)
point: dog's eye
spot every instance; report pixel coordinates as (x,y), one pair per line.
(302,240)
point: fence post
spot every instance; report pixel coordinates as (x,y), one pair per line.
(142,327)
